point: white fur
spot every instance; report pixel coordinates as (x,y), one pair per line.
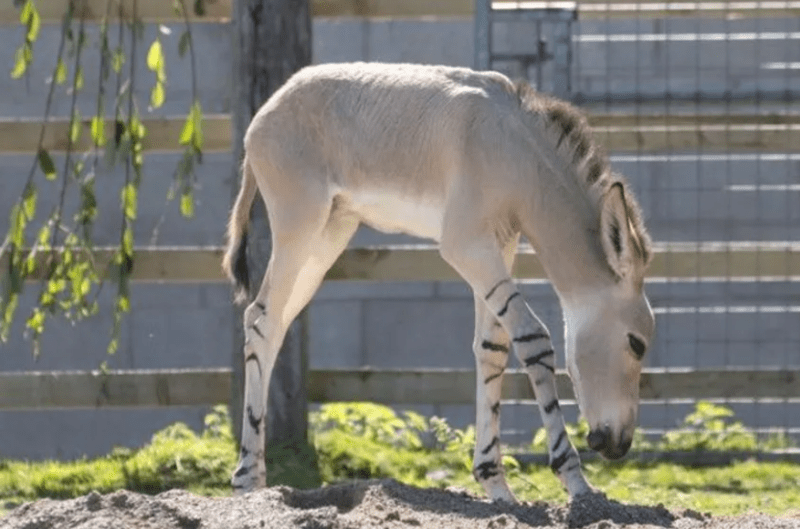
(393,213)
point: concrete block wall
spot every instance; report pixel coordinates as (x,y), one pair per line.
(415,324)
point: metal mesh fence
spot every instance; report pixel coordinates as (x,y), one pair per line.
(697,105)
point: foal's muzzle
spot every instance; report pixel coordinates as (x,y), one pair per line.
(602,440)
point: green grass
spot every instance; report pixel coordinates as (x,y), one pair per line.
(366,441)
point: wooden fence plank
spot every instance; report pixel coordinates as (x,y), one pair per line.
(163,133)
(710,133)
(52,11)
(220,10)
(205,387)
(94,389)
(423,263)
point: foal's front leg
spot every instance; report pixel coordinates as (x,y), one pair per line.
(534,348)
(491,348)
(480,263)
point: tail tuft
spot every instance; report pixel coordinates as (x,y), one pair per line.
(240,273)
(234,263)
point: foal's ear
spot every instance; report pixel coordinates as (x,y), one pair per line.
(615,231)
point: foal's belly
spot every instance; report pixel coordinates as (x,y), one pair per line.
(391,213)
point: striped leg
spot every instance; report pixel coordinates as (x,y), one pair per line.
(480,263)
(294,274)
(491,347)
(534,348)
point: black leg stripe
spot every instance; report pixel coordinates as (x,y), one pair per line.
(257,330)
(253,357)
(537,359)
(505,307)
(494,346)
(243,471)
(495,408)
(494,288)
(494,441)
(552,405)
(492,377)
(255,422)
(261,306)
(532,336)
(558,462)
(560,440)
(486,470)
(572,467)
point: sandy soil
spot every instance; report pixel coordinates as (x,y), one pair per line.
(358,505)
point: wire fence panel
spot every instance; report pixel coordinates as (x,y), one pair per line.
(720,91)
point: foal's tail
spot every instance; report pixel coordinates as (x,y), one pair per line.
(234,263)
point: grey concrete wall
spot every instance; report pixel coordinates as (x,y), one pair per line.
(426,324)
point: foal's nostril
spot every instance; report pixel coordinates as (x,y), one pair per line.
(597,439)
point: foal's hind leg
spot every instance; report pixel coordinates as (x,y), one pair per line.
(491,347)
(300,257)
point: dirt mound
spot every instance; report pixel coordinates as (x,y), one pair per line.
(357,505)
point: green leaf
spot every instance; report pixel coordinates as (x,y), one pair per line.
(188,129)
(192,133)
(55,286)
(118,59)
(187,205)
(36,321)
(197,116)
(46,164)
(17,226)
(43,239)
(157,95)
(155,56)
(20,64)
(10,307)
(61,72)
(79,79)
(137,128)
(123,304)
(88,209)
(127,242)
(129,201)
(30,17)
(26,12)
(183,43)
(29,196)
(75,127)
(98,128)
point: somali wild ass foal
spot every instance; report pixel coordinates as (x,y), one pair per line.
(470,160)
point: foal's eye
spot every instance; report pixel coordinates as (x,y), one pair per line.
(636,346)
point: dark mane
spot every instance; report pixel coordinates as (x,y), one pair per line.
(573,136)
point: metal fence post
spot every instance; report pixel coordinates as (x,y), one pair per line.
(483,34)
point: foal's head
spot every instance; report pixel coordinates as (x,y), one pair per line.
(609,327)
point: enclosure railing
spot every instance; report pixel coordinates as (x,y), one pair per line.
(185,387)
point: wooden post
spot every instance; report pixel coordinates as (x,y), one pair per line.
(271,40)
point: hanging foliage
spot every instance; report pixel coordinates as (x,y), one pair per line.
(55,250)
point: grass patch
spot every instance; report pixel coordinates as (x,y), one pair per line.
(176,457)
(360,440)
